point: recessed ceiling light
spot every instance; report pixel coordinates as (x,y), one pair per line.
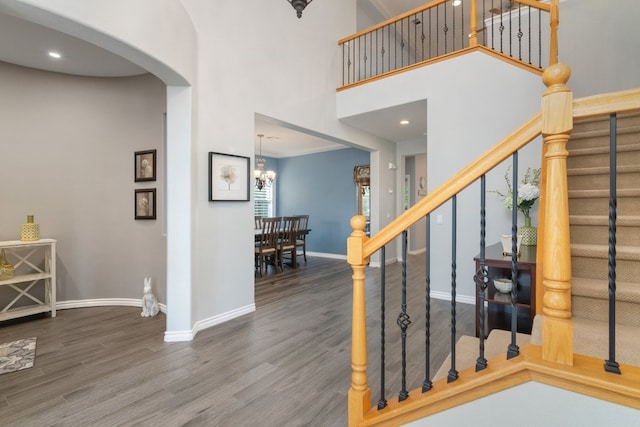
(457,2)
(404,122)
(55,55)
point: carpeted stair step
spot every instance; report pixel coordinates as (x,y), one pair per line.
(590,300)
(628,154)
(594,229)
(467,350)
(623,121)
(597,177)
(596,202)
(591,261)
(591,338)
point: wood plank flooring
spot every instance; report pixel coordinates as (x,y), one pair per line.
(287,364)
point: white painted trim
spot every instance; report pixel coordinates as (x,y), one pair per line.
(325,255)
(104,302)
(463,299)
(418,251)
(377,264)
(221,318)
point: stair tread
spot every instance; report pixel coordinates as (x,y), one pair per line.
(467,350)
(601,170)
(585,194)
(631,253)
(622,220)
(589,151)
(599,288)
(590,338)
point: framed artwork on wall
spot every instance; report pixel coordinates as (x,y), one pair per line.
(145,165)
(145,203)
(228,177)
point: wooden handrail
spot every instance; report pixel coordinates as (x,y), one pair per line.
(467,176)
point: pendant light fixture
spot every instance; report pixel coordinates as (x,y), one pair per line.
(262,178)
(299,5)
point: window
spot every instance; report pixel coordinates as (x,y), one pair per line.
(263,201)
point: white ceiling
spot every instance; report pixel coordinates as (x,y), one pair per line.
(28,44)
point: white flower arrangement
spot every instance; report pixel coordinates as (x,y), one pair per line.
(528,192)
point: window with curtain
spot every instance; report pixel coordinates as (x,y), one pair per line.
(263,201)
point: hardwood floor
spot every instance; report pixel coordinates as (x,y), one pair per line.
(287,364)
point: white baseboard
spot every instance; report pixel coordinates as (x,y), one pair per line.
(104,302)
(325,255)
(463,299)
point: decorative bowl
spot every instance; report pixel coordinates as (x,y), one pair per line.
(503,284)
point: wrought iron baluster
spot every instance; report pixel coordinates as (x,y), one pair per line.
(453,373)
(404,320)
(422,37)
(513,349)
(438,30)
(540,39)
(427,384)
(610,364)
(529,49)
(520,33)
(445,30)
(382,402)
(382,52)
(482,276)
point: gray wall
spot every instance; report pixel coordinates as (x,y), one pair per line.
(67,147)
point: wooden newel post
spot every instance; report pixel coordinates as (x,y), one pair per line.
(557,124)
(473,34)
(359,397)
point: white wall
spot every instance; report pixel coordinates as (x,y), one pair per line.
(534,404)
(459,129)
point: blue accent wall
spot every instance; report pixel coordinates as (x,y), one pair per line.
(320,185)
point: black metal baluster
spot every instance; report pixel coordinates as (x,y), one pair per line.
(344,66)
(445,30)
(611,365)
(402,43)
(513,349)
(404,320)
(430,26)
(453,30)
(427,384)
(520,33)
(529,49)
(540,39)
(382,52)
(438,30)
(383,401)
(482,276)
(422,37)
(453,374)
(511,32)
(501,31)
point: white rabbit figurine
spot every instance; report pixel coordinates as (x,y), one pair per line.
(149,301)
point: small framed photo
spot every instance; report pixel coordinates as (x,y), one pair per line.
(145,165)
(228,177)
(145,203)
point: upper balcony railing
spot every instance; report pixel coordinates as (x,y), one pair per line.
(523,31)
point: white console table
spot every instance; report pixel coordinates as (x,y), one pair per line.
(35,267)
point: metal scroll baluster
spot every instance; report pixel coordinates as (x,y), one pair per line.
(513,349)
(540,39)
(427,384)
(611,365)
(453,374)
(530,13)
(383,401)
(482,276)
(520,33)
(404,320)
(445,30)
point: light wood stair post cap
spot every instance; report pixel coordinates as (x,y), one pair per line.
(555,77)
(358,223)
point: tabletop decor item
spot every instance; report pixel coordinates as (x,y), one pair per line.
(528,193)
(30,231)
(6,270)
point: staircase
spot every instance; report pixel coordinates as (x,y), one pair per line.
(588,184)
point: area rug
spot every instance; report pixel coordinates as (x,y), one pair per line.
(17,355)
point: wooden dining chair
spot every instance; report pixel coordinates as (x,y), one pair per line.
(258,222)
(301,239)
(266,247)
(287,242)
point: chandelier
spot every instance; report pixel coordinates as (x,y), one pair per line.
(263,178)
(299,5)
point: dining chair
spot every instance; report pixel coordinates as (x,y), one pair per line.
(301,239)
(287,242)
(258,222)
(266,247)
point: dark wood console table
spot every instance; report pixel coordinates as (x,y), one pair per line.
(498,305)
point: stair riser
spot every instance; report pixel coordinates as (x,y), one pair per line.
(602,141)
(600,206)
(622,122)
(624,158)
(597,268)
(598,309)
(601,181)
(599,235)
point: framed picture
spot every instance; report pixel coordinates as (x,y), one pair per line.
(228,177)
(145,203)
(145,165)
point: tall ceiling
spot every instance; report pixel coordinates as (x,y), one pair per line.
(28,44)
